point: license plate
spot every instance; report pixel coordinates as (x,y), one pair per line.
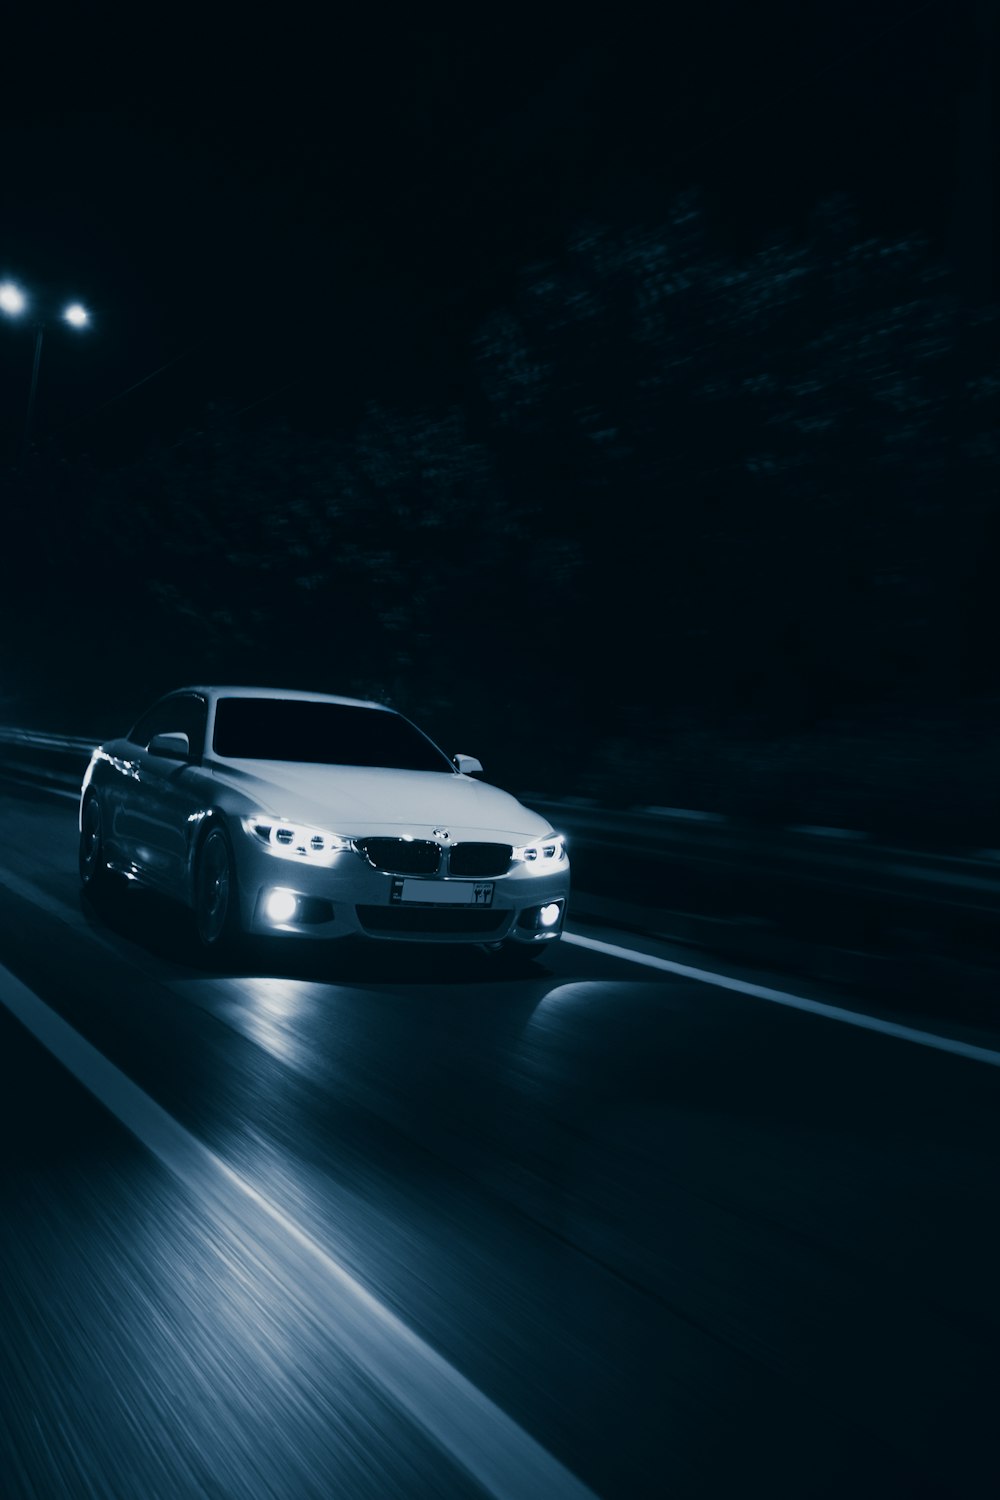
(444,892)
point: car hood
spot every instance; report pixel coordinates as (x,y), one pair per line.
(358,800)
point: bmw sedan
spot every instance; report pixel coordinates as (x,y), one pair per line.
(278,812)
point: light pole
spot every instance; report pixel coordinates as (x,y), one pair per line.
(13,302)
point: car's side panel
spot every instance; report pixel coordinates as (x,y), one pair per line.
(153,809)
(154,821)
(113,774)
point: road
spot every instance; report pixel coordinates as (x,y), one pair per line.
(378,1223)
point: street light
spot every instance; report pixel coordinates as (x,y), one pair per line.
(13,302)
(11,298)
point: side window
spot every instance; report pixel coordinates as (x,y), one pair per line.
(184,714)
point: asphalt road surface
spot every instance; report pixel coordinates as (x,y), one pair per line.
(378,1222)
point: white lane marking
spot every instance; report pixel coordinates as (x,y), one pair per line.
(794,1002)
(473,1432)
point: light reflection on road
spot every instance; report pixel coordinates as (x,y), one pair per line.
(269,1011)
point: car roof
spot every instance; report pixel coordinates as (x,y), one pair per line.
(216,692)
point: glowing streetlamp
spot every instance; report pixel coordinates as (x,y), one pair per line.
(13,302)
(11,299)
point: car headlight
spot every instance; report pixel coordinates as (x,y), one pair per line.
(294,840)
(543,854)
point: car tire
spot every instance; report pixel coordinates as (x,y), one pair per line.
(95,877)
(216,895)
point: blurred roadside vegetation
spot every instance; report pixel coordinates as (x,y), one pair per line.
(707,528)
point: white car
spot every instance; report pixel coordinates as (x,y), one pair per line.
(281,812)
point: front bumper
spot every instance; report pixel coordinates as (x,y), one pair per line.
(349,898)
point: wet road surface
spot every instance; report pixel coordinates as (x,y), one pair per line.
(411,1226)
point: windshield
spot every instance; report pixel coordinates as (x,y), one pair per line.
(332,734)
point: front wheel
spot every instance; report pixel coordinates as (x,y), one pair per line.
(94,873)
(216,895)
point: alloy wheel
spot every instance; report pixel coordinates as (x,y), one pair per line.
(214,889)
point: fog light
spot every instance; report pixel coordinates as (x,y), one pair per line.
(280,905)
(549,915)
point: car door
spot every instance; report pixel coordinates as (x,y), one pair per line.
(155,814)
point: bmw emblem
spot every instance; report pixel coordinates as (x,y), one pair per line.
(442,833)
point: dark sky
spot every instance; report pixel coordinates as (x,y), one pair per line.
(319,209)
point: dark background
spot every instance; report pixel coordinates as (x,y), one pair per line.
(617,397)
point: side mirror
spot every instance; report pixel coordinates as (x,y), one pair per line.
(468,765)
(173,746)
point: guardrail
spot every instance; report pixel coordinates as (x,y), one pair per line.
(53,761)
(848,851)
(37,739)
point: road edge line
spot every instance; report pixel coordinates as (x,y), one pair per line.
(473,1432)
(860,1019)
